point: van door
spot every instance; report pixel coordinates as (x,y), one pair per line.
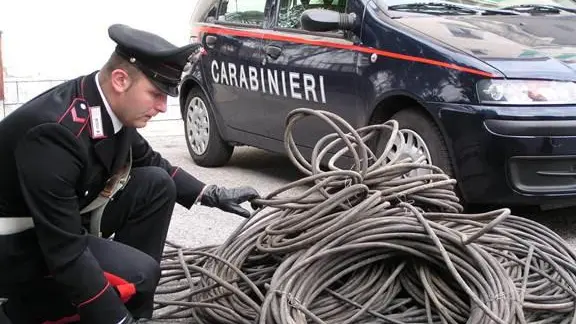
(233,44)
(311,70)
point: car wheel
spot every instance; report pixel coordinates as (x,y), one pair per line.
(423,139)
(205,145)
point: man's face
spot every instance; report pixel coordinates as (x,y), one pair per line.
(140,102)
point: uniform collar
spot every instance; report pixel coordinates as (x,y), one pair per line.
(116,123)
(110,148)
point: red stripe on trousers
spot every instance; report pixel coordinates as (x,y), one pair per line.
(126,290)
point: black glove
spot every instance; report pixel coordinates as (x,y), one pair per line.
(228,200)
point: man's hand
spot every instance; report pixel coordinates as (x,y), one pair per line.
(228,200)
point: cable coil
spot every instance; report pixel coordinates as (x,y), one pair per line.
(375,243)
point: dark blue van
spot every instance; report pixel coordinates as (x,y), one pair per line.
(483,89)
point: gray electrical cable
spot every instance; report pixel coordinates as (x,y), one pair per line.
(370,244)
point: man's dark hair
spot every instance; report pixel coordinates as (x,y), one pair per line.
(117,62)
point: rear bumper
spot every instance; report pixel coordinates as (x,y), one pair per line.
(504,155)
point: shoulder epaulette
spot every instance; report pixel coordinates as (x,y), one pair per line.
(76,117)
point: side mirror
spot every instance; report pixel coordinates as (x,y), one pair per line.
(195,53)
(322,20)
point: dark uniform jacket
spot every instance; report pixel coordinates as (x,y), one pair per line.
(50,168)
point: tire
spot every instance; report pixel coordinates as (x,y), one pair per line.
(416,121)
(205,145)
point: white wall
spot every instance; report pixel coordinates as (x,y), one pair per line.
(60,39)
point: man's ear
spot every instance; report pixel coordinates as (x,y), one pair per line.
(120,80)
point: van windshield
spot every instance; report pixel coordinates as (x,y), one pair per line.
(519,6)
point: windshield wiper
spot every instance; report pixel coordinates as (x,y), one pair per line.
(538,9)
(448,8)
(432,7)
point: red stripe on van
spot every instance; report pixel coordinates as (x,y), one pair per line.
(300,40)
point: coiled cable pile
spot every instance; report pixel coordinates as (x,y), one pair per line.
(375,243)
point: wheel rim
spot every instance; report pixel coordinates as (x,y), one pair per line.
(197,125)
(414,148)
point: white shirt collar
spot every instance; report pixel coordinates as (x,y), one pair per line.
(115,121)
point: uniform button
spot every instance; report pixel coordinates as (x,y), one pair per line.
(86,193)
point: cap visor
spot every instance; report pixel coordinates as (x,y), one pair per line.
(169,90)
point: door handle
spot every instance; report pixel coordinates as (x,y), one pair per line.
(273,51)
(211,40)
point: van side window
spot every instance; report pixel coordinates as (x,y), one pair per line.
(291,10)
(250,12)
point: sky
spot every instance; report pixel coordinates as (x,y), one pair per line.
(65,38)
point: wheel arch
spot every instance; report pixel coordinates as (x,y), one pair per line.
(395,101)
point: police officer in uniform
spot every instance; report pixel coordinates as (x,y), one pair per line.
(59,153)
